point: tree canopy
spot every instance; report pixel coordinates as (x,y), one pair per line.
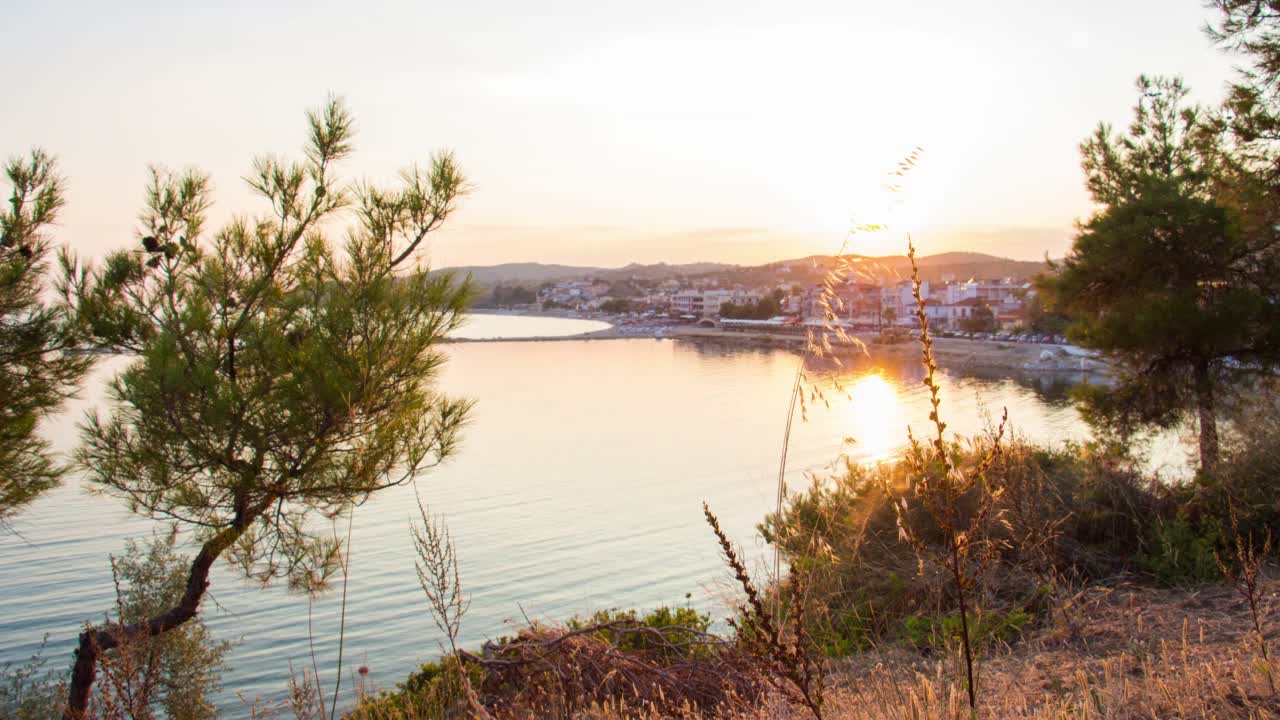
(39,363)
(1163,277)
(279,378)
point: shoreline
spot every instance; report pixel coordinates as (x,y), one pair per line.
(953,353)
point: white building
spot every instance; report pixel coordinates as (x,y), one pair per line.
(949,315)
(901,301)
(704,303)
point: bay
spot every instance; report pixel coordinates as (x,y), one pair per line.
(578,486)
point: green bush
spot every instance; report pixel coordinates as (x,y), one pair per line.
(689,626)
(939,630)
(1080,511)
(1179,553)
(30,691)
(433,692)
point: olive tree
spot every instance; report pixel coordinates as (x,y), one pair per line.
(278,377)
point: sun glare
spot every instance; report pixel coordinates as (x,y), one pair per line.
(873,418)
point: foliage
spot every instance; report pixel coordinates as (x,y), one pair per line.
(685,626)
(940,630)
(277,378)
(1162,278)
(504,296)
(961,501)
(438,575)
(766,307)
(171,675)
(1251,112)
(39,365)
(1245,572)
(1179,553)
(1038,320)
(1075,511)
(982,319)
(616,306)
(650,662)
(29,691)
(437,690)
(781,645)
(1246,487)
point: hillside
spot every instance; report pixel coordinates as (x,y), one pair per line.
(957,265)
(532,273)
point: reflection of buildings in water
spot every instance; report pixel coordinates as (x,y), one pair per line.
(1054,387)
(710,347)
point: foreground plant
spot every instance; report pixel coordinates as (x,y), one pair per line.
(1245,572)
(171,675)
(790,661)
(278,378)
(941,487)
(437,567)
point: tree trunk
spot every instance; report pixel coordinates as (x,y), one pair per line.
(1207,417)
(93,641)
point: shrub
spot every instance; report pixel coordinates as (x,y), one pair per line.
(682,629)
(1180,553)
(940,630)
(654,658)
(29,691)
(433,692)
(1079,511)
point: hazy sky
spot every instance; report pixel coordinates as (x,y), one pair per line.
(599,132)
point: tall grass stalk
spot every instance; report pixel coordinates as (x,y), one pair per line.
(939,484)
(1244,572)
(437,569)
(342,622)
(820,346)
(792,665)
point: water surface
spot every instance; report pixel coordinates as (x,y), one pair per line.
(578,486)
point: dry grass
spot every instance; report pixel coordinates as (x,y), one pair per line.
(1142,653)
(1145,653)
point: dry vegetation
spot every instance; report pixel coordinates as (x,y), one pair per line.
(980,578)
(1143,653)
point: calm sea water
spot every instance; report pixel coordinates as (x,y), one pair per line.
(578,487)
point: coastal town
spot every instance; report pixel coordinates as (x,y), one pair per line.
(981,321)
(783,299)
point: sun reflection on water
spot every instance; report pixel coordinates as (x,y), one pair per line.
(872,417)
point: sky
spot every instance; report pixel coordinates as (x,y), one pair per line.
(602,133)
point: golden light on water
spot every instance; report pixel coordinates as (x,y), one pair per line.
(873,418)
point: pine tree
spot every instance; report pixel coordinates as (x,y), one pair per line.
(39,363)
(278,377)
(1163,278)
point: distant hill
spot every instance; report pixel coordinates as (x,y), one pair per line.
(520,273)
(935,268)
(962,265)
(529,274)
